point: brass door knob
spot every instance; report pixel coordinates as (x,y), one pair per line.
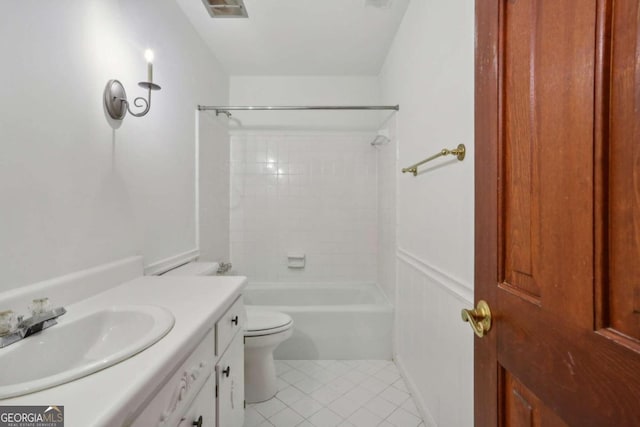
(479,318)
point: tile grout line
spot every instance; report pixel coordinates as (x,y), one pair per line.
(364,368)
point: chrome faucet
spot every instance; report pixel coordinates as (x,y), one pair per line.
(224,267)
(37,322)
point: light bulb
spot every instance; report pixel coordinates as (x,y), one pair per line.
(148,55)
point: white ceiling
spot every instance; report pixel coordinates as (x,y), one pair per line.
(300,37)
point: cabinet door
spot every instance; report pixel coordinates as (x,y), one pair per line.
(229,325)
(166,409)
(230,377)
(202,406)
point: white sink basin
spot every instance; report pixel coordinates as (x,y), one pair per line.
(77,347)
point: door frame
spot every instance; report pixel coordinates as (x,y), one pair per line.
(487,131)
(488,191)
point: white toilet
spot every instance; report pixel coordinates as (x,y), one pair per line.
(265,330)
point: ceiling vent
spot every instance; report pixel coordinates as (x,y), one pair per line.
(380,4)
(226,8)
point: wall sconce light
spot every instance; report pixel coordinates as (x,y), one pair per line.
(115,97)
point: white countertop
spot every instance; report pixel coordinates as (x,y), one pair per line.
(111,397)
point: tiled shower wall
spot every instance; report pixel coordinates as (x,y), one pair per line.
(307,192)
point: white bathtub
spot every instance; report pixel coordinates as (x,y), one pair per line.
(331,321)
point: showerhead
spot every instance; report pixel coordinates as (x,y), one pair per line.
(380,140)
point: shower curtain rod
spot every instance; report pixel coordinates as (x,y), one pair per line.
(220,109)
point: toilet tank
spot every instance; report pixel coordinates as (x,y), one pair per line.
(195,269)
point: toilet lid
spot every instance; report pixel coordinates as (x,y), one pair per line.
(262,322)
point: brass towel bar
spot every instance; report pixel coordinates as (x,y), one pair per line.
(459,152)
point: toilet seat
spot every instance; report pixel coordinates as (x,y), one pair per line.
(264,322)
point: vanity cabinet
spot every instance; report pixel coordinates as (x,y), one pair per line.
(231,322)
(201,412)
(207,390)
(229,370)
(230,380)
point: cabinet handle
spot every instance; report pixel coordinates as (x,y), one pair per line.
(227,371)
(197,423)
(235,320)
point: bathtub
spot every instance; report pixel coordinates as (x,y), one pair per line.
(331,321)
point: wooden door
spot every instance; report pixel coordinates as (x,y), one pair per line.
(558,212)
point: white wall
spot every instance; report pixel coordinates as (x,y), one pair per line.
(214,187)
(75,192)
(429,72)
(306,90)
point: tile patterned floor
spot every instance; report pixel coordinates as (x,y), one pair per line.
(336,393)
